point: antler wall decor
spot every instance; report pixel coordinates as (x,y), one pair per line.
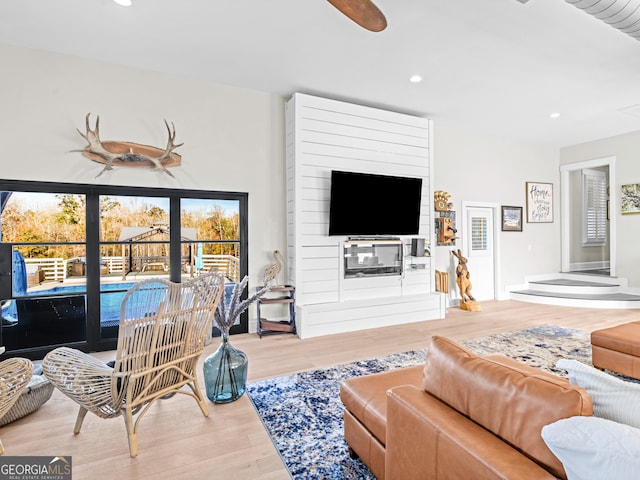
(127,154)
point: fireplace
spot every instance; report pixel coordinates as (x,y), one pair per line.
(372,258)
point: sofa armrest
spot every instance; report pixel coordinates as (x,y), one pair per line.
(428,439)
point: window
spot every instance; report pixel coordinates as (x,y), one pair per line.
(77,249)
(479,233)
(594,207)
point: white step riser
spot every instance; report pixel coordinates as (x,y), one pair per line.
(574,302)
(585,285)
(574,289)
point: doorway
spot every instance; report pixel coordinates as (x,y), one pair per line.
(479,242)
(70,252)
(576,255)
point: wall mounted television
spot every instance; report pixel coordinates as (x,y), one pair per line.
(363,204)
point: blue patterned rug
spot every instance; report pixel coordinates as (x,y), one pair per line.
(303,413)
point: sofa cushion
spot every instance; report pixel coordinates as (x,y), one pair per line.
(366,396)
(511,400)
(592,447)
(613,398)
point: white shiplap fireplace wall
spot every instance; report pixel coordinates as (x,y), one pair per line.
(325,135)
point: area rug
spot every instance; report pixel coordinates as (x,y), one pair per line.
(303,412)
(540,347)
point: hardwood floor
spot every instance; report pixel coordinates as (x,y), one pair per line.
(177,442)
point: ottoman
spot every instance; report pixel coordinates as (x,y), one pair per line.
(617,349)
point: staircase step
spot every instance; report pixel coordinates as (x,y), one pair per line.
(568,285)
(593,300)
(592,291)
(569,281)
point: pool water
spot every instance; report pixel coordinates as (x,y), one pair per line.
(110,298)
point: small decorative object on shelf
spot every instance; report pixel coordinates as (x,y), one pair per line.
(441,200)
(272,271)
(286,294)
(225,371)
(445,218)
(446,230)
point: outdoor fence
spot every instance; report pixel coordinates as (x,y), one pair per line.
(58,269)
(55,269)
(227,264)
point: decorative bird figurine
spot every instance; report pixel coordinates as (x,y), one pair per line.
(272,271)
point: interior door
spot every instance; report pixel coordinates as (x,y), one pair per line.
(479,243)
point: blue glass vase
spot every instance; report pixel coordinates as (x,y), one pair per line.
(225,373)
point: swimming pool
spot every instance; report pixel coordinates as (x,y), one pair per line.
(111,297)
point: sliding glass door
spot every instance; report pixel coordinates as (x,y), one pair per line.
(69,253)
(43,239)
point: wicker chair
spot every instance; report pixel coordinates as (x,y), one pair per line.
(15,374)
(163,327)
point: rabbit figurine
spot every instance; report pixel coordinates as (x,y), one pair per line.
(462,278)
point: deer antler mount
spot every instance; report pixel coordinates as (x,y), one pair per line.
(126,154)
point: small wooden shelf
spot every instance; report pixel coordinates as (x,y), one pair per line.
(286,295)
(266,301)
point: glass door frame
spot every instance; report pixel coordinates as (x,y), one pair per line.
(92,194)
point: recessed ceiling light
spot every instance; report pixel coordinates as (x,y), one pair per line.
(555,115)
(124,3)
(415,79)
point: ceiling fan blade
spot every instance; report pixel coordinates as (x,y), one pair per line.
(363,12)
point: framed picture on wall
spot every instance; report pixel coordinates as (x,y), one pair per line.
(630,199)
(539,202)
(511,219)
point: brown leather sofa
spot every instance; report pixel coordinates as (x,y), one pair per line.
(459,416)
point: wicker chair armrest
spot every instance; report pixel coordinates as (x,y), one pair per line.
(15,374)
(80,376)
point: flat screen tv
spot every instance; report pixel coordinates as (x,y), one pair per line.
(363,204)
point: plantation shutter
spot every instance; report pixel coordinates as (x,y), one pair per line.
(479,233)
(594,188)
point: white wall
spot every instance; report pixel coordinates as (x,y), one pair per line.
(480,168)
(234,141)
(233,138)
(626,150)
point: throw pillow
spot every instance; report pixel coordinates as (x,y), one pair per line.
(592,448)
(613,398)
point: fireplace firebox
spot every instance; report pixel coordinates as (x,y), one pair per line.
(372,258)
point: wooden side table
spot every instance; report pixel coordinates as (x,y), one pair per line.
(283,294)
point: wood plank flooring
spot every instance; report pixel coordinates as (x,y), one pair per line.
(177,442)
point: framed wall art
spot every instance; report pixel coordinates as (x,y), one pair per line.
(511,219)
(539,202)
(630,199)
